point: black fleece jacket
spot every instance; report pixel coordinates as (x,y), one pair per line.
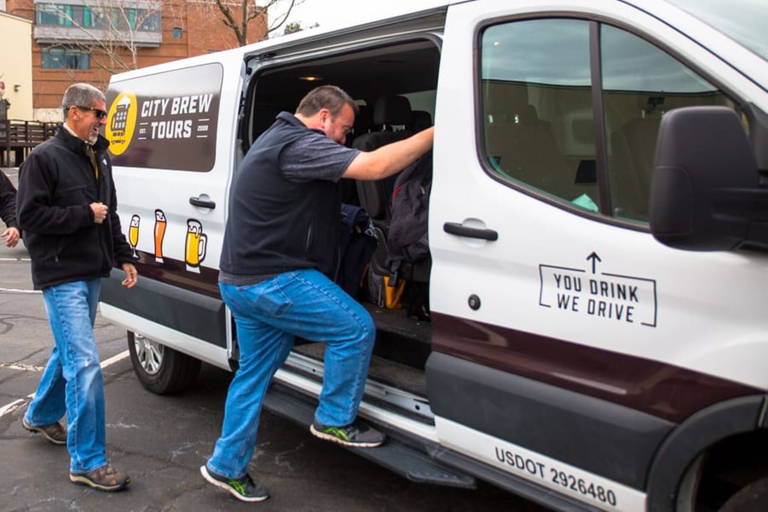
(8,201)
(57,184)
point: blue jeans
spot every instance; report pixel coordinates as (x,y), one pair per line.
(72,380)
(268,316)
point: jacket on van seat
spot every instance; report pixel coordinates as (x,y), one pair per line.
(64,243)
(357,245)
(276,225)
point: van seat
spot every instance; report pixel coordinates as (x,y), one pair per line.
(633,147)
(520,146)
(390,110)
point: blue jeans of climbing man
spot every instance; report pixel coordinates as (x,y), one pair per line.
(72,380)
(268,316)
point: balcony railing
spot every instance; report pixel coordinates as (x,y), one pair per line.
(19,138)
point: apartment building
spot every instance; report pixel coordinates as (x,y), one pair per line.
(89,40)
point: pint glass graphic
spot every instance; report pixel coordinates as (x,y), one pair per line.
(160,224)
(194,251)
(133,234)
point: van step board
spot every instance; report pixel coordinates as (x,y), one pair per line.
(393,455)
(381,370)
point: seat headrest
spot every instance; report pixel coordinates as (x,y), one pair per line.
(420,120)
(652,103)
(392,109)
(363,120)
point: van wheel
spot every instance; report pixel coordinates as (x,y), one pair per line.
(752,498)
(161,369)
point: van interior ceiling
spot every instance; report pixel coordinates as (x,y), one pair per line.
(375,75)
(403,69)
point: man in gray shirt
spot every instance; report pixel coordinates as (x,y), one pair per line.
(279,254)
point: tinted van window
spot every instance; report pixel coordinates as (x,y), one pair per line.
(538,116)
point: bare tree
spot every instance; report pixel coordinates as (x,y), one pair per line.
(111,32)
(237,15)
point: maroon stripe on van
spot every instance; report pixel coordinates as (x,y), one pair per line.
(175,272)
(666,391)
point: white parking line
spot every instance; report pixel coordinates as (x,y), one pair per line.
(23,367)
(18,290)
(13,405)
(114,359)
(18,403)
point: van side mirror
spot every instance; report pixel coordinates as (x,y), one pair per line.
(705,191)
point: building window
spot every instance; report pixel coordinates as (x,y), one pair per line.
(151,22)
(60,58)
(176,33)
(54,15)
(125,18)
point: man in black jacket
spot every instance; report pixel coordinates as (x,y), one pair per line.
(8,211)
(67,208)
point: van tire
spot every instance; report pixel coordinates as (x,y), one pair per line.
(752,498)
(160,369)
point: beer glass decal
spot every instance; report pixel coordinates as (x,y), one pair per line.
(194,251)
(133,234)
(160,225)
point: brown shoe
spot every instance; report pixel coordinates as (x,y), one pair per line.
(54,432)
(105,478)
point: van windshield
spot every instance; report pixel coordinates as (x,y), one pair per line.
(741,20)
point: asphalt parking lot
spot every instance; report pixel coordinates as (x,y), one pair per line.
(161,441)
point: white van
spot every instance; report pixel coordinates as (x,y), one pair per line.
(595,339)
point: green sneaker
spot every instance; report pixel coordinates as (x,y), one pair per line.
(355,434)
(243,488)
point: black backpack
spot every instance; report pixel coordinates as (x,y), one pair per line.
(407,233)
(407,239)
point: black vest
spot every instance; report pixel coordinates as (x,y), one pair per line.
(276,225)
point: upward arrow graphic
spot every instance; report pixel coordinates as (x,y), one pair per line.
(595,258)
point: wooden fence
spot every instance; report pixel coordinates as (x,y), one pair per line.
(18,138)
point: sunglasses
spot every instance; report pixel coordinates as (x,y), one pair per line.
(100,114)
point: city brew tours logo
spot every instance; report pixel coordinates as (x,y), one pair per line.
(166,121)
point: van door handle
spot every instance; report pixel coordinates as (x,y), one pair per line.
(202,203)
(457,229)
